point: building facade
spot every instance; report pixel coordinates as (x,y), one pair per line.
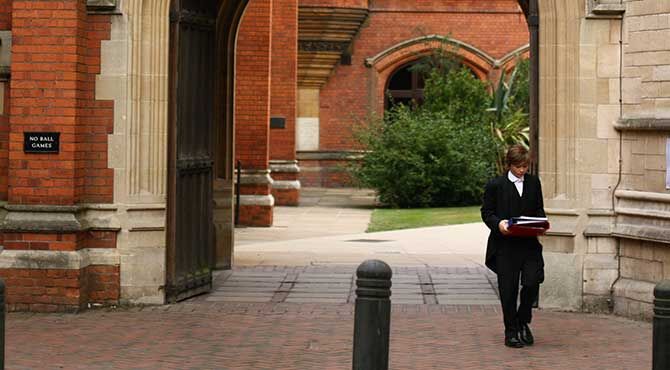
(122,87)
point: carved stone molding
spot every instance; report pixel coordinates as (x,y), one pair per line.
(315,46)
(147,98)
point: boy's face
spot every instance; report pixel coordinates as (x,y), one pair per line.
(519,170)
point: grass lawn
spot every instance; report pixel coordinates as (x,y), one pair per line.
(396,219)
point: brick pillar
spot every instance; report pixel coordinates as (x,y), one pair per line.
(283,164)
(58,263)
(252,113)
(285,184)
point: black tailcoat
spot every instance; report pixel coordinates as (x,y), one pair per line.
(501,202)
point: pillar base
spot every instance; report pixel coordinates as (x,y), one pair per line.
(256,201)
(285,185)
(55,260)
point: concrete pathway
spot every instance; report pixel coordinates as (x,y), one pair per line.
(311,254)
(322,212)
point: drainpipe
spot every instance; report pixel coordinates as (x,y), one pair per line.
(533,20)
(619,174)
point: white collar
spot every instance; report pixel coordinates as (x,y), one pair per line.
(513,178)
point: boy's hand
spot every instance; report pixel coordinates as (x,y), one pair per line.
(503,226)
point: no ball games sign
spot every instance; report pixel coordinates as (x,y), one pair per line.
(41,142)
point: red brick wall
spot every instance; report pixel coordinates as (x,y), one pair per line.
(55,59)
(351,88)
(55,56)
(336,3)
(284,76)
(252,93)
(95,181)
(4,145)
(55,290)
(5,15)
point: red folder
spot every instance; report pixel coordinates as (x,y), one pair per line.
(527,227)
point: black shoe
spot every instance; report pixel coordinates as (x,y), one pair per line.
(513,342)
(526,335)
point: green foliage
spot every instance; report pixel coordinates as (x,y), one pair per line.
(439,154)
(520,96)
(509,107)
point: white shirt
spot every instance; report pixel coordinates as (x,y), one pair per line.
(518,182)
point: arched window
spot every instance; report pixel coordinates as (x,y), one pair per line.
(406,84)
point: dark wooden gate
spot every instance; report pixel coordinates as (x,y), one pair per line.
(190,242)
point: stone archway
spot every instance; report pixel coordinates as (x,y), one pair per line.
(483,65)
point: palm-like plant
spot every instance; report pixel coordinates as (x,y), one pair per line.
(508,124)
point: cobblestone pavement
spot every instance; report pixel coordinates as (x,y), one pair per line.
(411,285)
(249,336)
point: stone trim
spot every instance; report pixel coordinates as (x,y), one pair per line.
(643,124)
(641,291)
(642,232)
(257,200)
(288,166)
(40,222)
(598,230)
(330,155)
(52,218)
(642,196)
(75,260)
(460,45)
(561,212)
(256,177)
(642,216)
(605,9)
(284,185)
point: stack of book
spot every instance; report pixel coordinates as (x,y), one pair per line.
(528,226)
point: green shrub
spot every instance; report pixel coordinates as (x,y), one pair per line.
(439,154)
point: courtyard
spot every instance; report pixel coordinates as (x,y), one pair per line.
(289,305)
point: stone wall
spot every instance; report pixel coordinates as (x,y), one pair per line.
(603,132)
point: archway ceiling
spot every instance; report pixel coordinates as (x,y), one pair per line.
(324,35)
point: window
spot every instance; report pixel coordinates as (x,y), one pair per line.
(404,87)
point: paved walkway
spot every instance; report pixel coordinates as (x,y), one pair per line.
(411,285)
(288,305)
(286,336)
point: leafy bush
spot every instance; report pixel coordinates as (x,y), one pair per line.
(438,154)
(442,152)
(509,108)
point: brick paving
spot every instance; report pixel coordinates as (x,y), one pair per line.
(215,335)
(411,285)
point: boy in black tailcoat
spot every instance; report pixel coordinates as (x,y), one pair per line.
(515,193)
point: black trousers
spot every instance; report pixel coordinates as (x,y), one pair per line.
(519,261)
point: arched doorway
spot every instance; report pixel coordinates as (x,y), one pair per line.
(202,36)
(200,130)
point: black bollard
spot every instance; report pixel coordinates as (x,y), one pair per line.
(372,318)
(2,324)
(661,341)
